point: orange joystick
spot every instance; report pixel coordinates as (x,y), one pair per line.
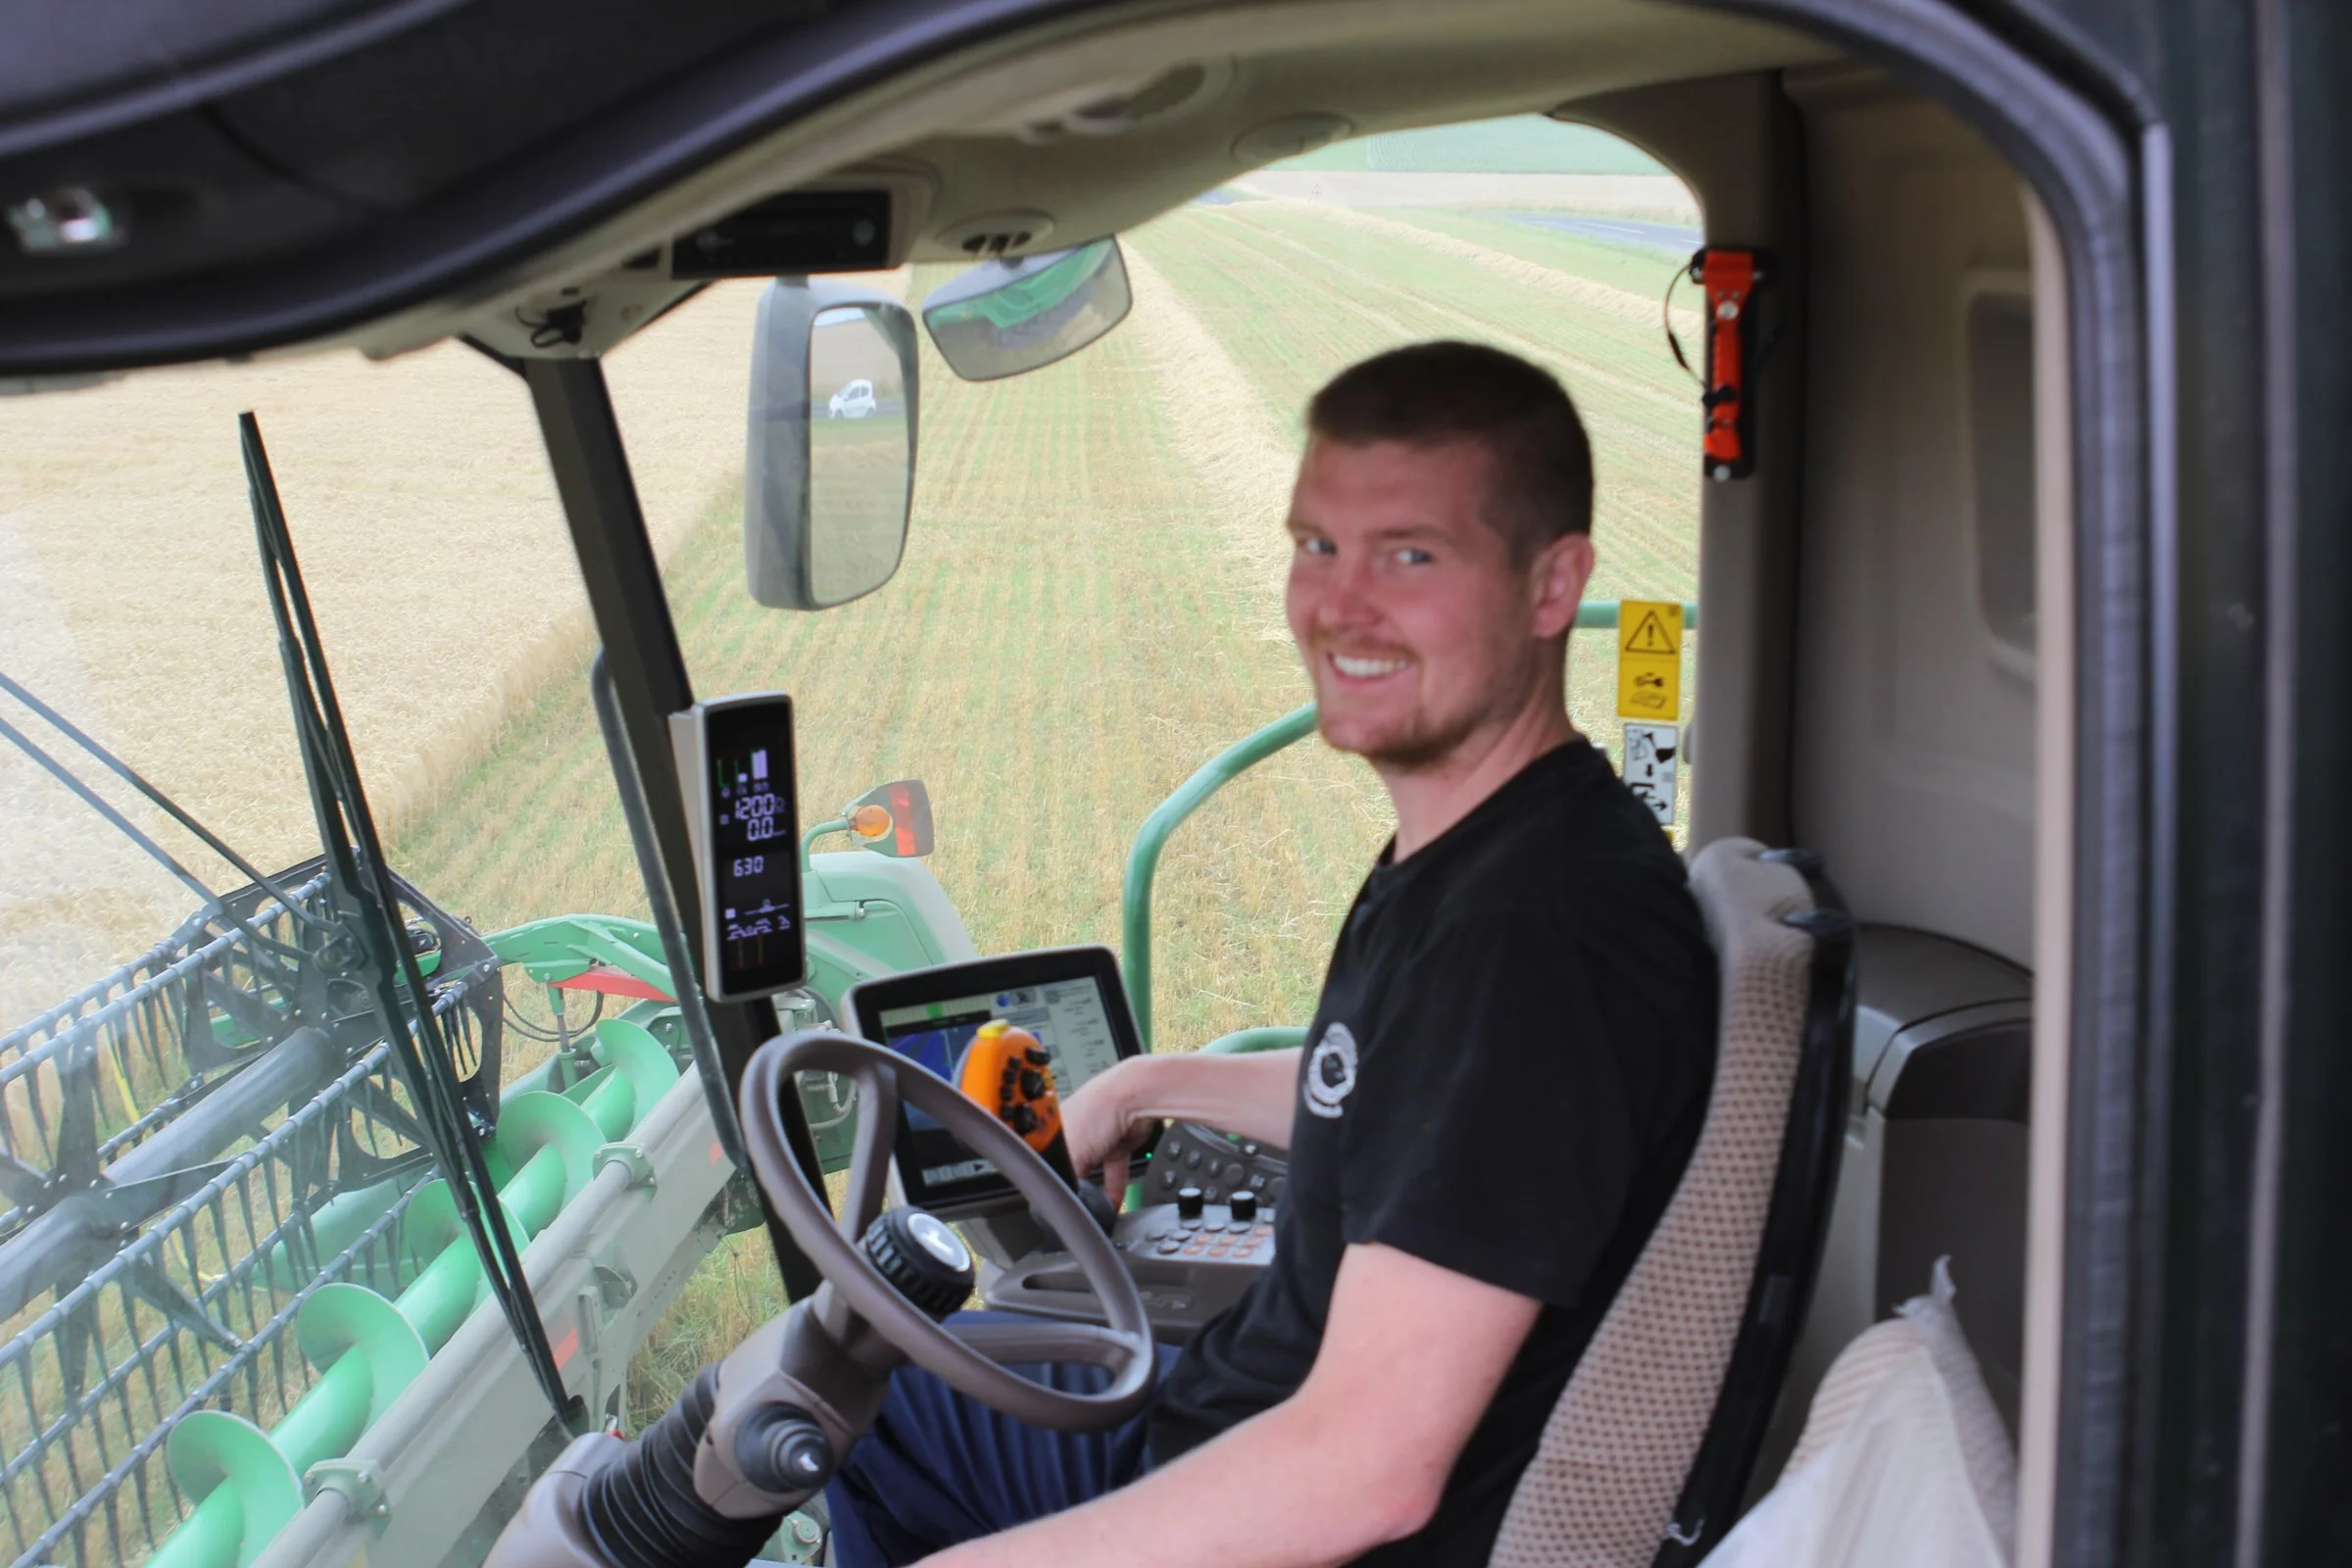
(1008,1071)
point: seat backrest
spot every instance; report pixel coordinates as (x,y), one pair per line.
(1646,1452)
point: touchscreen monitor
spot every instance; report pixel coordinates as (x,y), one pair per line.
(1071,999)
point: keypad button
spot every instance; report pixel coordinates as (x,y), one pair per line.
(1192,1159)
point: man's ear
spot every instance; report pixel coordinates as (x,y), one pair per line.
(1557,577)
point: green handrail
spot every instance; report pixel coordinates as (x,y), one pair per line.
(1143,859)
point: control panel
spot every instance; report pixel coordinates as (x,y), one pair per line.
(1191,1259)
(1221,1164)
(1007,1071)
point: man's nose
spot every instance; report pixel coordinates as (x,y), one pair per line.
(1347,594)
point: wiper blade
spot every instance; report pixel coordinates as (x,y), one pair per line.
(370,903)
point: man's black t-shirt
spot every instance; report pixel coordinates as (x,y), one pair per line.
(1504,1077)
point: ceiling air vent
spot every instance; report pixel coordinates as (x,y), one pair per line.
(993,234)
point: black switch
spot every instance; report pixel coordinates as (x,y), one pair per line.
(1188,1203)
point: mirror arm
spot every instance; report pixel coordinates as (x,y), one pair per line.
(840,824)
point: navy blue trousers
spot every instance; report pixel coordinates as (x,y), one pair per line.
(940,1468)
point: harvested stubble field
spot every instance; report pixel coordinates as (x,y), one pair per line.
(1089,608)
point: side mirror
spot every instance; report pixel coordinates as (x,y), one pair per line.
(894,820)
(829,466)
(1004,318)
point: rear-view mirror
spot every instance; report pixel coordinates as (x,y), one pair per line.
(829,464)
(1004,318)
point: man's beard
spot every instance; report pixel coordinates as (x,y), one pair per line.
(1429,741)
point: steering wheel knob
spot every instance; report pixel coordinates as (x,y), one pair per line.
(924,1260)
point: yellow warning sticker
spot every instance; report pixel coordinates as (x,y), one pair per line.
(1650,660)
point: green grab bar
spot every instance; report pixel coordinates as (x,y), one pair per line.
(1143,859)
(1248,1042)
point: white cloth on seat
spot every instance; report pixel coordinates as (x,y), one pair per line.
(1903,1459)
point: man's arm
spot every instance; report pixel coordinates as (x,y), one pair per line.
(1250,1094)
(1410,1360)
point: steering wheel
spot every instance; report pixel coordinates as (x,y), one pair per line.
(968,1356)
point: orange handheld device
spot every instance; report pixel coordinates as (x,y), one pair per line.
(1010,1072)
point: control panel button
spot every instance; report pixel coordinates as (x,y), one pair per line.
(1167,1178)
(1188,1203)
(1192,1159)
(1234,1175)
(1245,1207)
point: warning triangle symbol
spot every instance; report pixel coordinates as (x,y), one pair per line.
(1648,636)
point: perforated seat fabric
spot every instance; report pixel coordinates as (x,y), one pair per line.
(1601,1490)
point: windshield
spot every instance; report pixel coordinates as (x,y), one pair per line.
(1088,610)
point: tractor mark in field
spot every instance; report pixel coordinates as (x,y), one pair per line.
(1587,292)
(1224,434)
(1590,372)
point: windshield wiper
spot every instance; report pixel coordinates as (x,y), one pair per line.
(369,903)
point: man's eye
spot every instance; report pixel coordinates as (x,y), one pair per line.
(1412,557)
(1317,547)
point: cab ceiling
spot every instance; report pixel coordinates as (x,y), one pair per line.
(1096,131)
(386,173)
(1355,69)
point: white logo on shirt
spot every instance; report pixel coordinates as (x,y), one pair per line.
(1331,1071)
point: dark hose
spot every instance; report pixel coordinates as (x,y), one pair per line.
(644,1512)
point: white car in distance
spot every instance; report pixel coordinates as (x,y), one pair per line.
(855,400)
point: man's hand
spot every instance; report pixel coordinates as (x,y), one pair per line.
(1101,1130)
(1412,1354)
(1103,1121)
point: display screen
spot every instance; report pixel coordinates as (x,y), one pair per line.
(754,873)
(1070,999)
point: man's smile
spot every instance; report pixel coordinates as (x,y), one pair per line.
(1358,668)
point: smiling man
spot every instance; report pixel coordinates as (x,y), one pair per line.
(1504,1079)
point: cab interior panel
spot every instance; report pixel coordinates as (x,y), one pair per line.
(1913,747)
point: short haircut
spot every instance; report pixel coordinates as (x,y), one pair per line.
(1435,394)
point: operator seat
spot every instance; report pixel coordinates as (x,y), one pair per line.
(1646,1455)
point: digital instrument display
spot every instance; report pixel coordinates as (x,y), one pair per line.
(752,941)
(1069,998)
